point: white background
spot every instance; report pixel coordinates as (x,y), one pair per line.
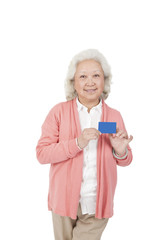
(37,41)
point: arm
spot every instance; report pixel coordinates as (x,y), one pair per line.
(49,149)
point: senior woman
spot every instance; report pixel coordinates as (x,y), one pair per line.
(83,161)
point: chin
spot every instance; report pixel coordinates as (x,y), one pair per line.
(94,98)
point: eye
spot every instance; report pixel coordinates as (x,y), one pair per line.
(96,75)
(82,76)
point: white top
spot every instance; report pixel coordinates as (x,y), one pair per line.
(89,179)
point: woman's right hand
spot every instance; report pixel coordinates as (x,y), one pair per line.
(87,135)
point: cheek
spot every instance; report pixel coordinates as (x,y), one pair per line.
(101,84)
(78,86)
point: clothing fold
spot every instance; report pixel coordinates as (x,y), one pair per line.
(57,147)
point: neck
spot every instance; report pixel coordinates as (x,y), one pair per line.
(89,104)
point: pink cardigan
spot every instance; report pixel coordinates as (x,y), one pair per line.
(57,146)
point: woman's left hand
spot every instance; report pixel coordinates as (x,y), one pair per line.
(119,141)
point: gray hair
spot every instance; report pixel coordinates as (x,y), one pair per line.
(94,54)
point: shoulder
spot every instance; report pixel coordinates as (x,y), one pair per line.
(61,105)
(59,109)
(112,111)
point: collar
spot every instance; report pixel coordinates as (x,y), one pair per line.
(82,107)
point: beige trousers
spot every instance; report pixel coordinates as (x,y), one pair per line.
(85,227)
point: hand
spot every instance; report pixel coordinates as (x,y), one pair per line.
(87,135)
(119,141)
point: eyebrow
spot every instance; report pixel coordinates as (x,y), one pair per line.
(85,71)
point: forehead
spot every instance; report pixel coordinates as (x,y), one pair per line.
(88,65)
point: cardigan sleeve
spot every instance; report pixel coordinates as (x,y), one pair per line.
(49,149)
(129,157)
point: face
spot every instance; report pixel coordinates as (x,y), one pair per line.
(89,81)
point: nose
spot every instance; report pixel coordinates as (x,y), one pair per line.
(90,80)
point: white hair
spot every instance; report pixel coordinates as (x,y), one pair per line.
(94,54)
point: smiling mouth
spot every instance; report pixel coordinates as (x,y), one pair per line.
(90,90)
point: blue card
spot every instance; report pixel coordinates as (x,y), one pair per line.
(107,127)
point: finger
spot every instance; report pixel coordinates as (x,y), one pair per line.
(93,130)
(130,138)
(122,132)
(117,129)
(119,133)
(99,133)
(94,135)
(111,135)
(123,135)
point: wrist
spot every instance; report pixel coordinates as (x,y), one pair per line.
(78,144)
(120,156)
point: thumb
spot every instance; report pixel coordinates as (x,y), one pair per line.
(111,135)
(117,129)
